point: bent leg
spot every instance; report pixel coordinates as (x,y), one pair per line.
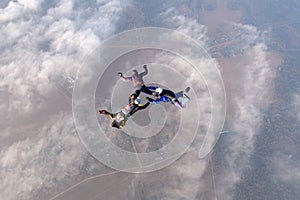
(168,93)
(139,108)
(179,94)
(182,93)
(146,90)
(122,124)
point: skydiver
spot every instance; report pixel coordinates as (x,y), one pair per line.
(119,119)
(164,95)
(138,82)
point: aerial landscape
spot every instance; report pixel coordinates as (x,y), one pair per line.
(234,134)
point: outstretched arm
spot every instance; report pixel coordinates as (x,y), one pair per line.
(144,73)
(108,114)
(127,78)
(124,78)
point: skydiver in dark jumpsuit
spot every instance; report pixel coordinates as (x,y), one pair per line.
(120,118)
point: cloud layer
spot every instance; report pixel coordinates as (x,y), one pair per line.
(41,41)
(248,95)
(31,168)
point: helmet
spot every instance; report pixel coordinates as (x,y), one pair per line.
(132,97)
(137,100)
(158,90)
(135,72)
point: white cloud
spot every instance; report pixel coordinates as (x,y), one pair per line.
(39,45)
(31,5)
(19,9)
(43,162)
(256,84)
(40,41)
(249,95)
(11,12)
(190,27)
(182,180)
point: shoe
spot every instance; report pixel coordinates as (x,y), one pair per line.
(101,111)
(187,89)
(115,124)
(178,103)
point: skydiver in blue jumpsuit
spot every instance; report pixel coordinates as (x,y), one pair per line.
(164,95)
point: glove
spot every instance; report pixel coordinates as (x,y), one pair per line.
(120,74)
